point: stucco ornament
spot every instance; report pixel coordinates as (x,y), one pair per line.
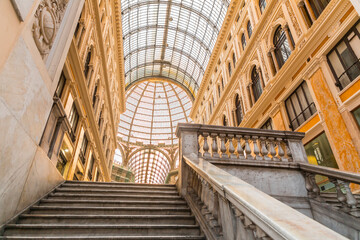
(47,20)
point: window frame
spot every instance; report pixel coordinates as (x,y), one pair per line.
(344,39)
(309,105)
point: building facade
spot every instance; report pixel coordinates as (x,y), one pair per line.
(289,65)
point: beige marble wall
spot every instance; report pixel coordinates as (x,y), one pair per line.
(26,173)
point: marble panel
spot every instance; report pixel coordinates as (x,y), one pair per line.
(24,91)
(43,176)
(17,151)
(22,7)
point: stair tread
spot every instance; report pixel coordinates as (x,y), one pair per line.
(101,216)
(109,237)
(134,186)
(152,226)
(119,184)
(115,208)
(114,195)
(61,189)
(111,201)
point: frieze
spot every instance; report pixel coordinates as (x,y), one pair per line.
(48,17)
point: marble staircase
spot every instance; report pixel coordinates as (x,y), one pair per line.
(90,210)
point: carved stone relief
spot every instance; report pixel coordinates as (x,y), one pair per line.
(48,17)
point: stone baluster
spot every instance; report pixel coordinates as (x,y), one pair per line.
(339,194)
(214,145)
(272,149)
(281,152)
(311,186)
(263,148)
(222,146)
(231,146)
(288,151)
(247,148)
(239,148)
(350,199)
(256,148)
(206,145)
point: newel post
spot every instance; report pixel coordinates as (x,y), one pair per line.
(296,147)
(188,146)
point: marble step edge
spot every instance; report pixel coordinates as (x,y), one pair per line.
(98,226)
(52,200)
(110,208)
(187,237)
(107,216)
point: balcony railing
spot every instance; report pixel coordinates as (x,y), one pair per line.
(227,207)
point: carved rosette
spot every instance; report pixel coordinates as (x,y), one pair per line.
(47,20)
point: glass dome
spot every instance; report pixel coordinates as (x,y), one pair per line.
(154,108)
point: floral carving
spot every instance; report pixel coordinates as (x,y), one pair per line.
(48,17)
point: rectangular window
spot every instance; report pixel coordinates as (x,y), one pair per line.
(318,6)
(61,85)
(267,125)
(299,106)
(344,58)
(319,152)
(83,149)
(73,118)
(356,114)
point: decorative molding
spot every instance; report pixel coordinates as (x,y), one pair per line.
(48,17)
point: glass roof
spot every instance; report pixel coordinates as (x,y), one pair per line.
(171,39)
(149,166)
(153,110)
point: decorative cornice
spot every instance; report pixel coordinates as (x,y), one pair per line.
(117,26)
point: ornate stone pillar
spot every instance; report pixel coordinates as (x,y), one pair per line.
(287,33)
(261,78)
(252,99)
(273,56)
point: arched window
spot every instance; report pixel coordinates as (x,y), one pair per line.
(249,29)
(224,121)
(234,59)
(94,98)
(243,41)
(219,90)
(87,63)
(210,109)
(262,5)
(282,47)
(238,110)
(222,83)
(229,69)
(256,84)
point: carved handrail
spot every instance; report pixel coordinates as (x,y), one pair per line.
(234,209)
(331,172)
(341,180)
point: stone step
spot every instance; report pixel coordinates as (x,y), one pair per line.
(144,185)
(110,210)
(110,203)
(119,186)
(97,230)
(105,219)
(96,196)
(117,192)
(169,237)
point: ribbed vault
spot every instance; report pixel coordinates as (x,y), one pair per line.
(170,39)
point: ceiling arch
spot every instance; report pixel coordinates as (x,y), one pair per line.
(170,38)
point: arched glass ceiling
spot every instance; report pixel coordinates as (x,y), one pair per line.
(153,110)
(170,38)
(149,166)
